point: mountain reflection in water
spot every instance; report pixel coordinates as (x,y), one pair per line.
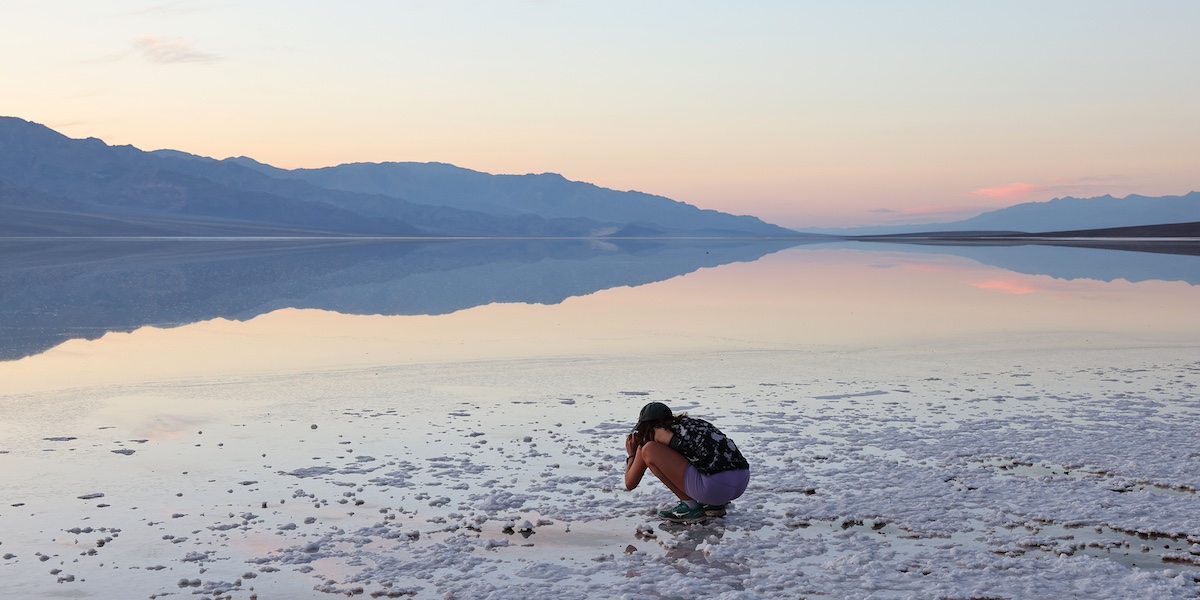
(52,291)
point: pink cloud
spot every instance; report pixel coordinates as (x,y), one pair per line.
(1054,186)
(158,49)
(1012,191)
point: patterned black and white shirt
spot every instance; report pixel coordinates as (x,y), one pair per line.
(705,446)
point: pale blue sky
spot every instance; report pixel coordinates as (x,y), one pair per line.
(804,113)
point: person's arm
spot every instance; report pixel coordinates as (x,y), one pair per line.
(635,467)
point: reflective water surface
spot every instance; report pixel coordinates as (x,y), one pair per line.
(84,312)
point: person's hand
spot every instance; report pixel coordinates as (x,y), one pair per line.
(630,445)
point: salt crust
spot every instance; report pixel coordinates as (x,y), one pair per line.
(985,476)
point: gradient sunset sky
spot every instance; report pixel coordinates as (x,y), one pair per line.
(807,114)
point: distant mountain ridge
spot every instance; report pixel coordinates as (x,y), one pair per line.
(54,185)
(1059,215)
(548,195)
(1102,212)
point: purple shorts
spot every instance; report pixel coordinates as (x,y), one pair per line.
(718,488)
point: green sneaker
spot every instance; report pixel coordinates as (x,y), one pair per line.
(713,510)
(682,514)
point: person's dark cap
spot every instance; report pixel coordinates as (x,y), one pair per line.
(653,412)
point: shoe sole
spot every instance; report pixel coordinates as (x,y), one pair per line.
(688,520)
(691,521)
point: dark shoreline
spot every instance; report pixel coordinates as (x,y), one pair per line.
(1171,238)
(1176,246)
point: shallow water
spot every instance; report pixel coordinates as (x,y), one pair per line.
(920,422)
(197,308)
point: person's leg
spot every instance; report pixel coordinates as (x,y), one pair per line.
(668,465)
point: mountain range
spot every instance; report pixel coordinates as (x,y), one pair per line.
(1057,216)
(53,185)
